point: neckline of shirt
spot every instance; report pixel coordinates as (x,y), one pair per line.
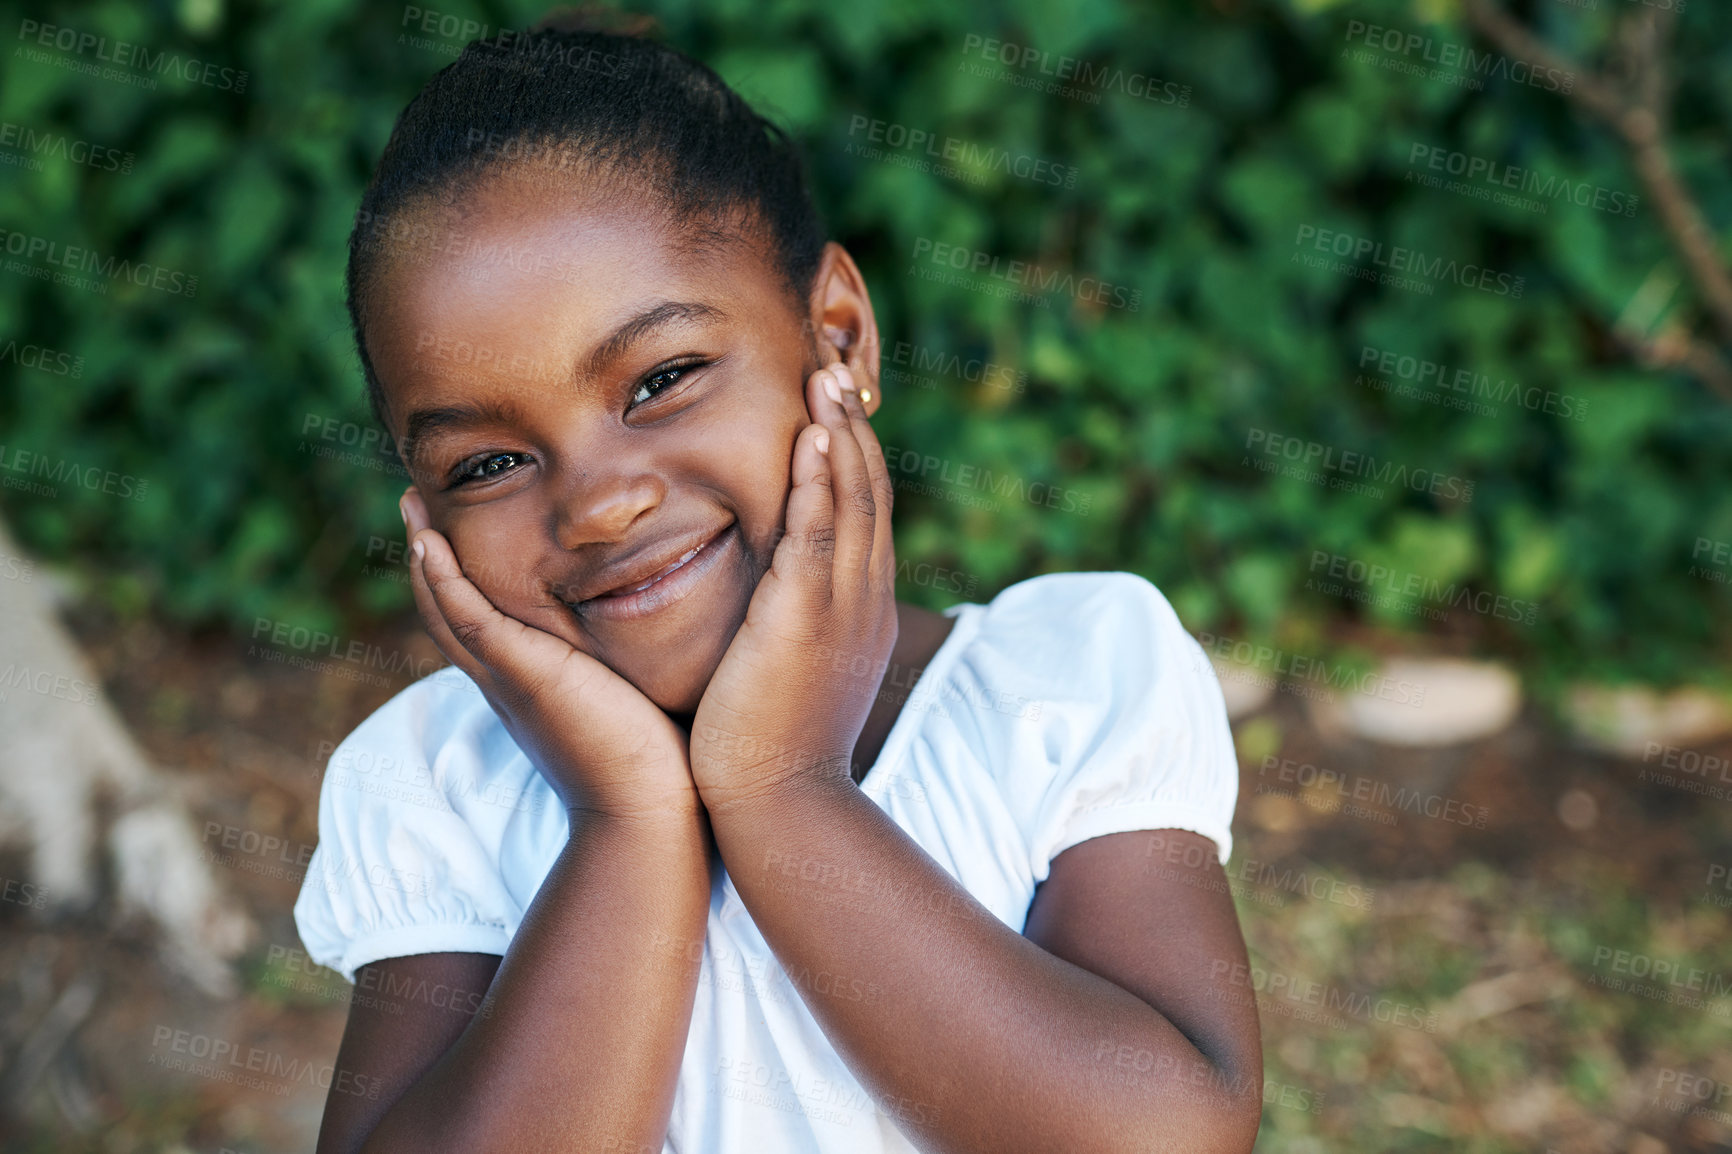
(968,616)
(908,721)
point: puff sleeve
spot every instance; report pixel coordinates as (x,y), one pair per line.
(406,863)
(1138,735)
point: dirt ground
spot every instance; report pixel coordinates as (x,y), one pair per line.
(1425,984)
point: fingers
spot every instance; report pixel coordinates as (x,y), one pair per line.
(807,548)
(857,504)
(414,523)
(877,474)
(469,631)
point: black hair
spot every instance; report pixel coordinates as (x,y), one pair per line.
(563,102)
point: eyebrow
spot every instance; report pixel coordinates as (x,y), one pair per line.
(423,422)
(646,322)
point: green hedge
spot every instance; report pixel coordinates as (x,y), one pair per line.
(1186,161)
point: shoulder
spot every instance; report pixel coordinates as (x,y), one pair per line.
(440,710)
(1075,634)
(414,808)
(1096,712)
(437,742)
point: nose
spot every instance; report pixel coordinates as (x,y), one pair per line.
(601,504)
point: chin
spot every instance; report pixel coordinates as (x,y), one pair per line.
(675,678)
(677,693)
(676,673)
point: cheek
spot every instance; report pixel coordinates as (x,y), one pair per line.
(756,471)
(501,556)
(759,435)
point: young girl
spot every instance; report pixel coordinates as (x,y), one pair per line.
(706,844)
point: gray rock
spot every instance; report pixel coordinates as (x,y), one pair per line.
(1636,720)
(1423,702)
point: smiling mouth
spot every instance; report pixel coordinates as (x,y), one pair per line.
(628,590)
(668,585)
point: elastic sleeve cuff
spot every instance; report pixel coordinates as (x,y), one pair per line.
(1141,815)
(402,941)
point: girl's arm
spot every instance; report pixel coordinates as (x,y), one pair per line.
(1133,1029)
(578,1043)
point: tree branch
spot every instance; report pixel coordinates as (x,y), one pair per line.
(1675,348)
(1637,113)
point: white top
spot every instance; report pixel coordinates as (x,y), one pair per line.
(1073,705)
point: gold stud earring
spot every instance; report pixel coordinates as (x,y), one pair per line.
(865,396)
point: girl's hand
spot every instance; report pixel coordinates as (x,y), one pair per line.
(601,744)
(793,690)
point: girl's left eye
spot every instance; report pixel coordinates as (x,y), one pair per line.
(658,382)
(487,467)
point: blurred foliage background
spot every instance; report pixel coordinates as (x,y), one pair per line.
(1195,204)
(256,484)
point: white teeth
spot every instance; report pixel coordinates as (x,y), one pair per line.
(645,585)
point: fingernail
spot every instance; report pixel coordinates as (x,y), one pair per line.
(822,440)
(831,388)
(403,511)
(418,549)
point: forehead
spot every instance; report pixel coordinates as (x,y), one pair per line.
(524,279)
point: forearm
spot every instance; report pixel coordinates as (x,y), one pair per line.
(580,1039)
(973,1037)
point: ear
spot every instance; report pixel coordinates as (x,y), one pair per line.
(842,320)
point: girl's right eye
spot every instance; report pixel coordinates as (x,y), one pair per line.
(486,467)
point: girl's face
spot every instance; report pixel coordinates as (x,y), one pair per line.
(583,399)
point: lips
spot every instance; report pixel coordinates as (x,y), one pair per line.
(634,578)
